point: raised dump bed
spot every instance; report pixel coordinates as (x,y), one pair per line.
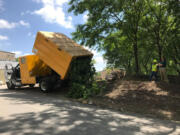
(57,51)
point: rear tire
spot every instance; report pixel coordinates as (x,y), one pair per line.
(10,85)
(44,86)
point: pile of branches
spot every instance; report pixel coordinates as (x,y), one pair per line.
(81,76)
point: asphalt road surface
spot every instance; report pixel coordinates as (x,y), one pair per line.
(31,112)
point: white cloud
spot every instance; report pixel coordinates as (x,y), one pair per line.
(3,37)
(27,54)
(20,53)
(4,24)
(52,12)
(85,17)
(17,53)
(23,23)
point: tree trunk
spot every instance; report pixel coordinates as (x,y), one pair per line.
(159,49)
(157,33)
(136,56)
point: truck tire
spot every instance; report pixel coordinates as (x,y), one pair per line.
(44,86)
(10,85)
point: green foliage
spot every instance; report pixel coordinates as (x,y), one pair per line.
(131,32)
(81,75)
(17,60)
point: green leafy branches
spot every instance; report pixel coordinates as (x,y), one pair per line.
(131,32)
(81,76)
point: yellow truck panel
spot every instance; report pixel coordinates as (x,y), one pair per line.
(37,67)
(57,51)
(30,67)
(24,73)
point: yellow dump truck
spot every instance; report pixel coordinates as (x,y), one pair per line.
(50,64)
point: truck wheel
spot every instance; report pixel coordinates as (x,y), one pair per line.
(44,86)
(10,85)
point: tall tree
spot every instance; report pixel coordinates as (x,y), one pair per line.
(107,17)
(131,32)
(173,37)
(133,12)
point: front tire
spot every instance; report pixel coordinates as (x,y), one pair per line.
(44,86)
(10,85)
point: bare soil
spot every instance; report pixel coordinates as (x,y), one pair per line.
(154,99)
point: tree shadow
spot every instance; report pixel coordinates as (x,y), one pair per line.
(66,118)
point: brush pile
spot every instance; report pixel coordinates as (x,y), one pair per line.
(81,76)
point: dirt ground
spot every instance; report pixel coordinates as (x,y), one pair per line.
(160,100)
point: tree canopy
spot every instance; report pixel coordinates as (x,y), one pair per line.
(131,32)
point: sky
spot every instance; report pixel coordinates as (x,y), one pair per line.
(20,20)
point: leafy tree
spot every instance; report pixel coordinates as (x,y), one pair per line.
(106,17)
(173,36)
(131,32)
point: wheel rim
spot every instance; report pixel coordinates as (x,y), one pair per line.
(43,86)
(10,85)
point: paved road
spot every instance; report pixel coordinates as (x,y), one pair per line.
(29,111)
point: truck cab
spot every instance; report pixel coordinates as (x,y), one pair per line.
(12,76)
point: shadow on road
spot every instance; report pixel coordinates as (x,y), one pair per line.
(70,118)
